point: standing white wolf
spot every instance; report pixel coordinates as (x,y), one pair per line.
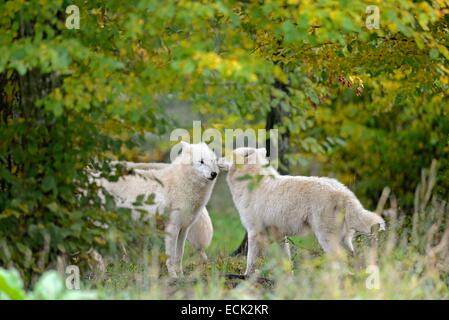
(282,206)
(181,189)
(201,231)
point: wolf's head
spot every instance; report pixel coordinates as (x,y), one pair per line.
(255,158)
(251,156)
(201,158)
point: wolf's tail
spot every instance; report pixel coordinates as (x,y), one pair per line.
(361,219)
(366,219)
(201,231)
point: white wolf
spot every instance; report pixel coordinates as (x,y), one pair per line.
(201,231)
(181,189)
(282,206)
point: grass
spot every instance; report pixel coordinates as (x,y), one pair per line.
(228,233)
(410,261)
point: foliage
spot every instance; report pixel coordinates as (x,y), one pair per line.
(412,263)
(49,287)
(368,105)
(390,147)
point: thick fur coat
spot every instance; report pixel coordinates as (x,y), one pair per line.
(201,231)
(283,206)
(181,190)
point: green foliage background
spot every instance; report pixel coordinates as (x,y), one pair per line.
(368,106)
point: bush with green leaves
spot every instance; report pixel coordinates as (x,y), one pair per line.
(63,108)
(70,98)
(50,286)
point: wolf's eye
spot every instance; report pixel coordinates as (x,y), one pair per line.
(201,161)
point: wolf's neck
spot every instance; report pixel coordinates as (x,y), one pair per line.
(250,170)
(182,176)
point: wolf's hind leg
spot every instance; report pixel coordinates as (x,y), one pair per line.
(253,252)
(171,239)
(180,244)
(324,238)
(203,255)
(287,251)
(285,246)
(347,241)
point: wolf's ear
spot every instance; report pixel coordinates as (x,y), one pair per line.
(244,152)
(224,164)
(249,151)
(185,146)
(262,152)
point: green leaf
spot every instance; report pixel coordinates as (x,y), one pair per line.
(312,96)
(48,183)
(79,295)
(49,287)
(11,285)
(434,53)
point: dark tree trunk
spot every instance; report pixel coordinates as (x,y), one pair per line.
(18,94)
(274,119)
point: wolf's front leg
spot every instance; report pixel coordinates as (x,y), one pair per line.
(171,238)
(180,243)
(253,252)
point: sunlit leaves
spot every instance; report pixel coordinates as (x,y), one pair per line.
(380,93)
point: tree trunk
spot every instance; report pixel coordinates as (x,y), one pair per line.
(273,120)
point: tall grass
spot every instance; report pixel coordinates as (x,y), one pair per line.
(410,260)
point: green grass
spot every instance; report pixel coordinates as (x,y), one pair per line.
(404,272)
(228,233)
(411,259)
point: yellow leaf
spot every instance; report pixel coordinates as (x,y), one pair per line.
(280,74)
(444,51)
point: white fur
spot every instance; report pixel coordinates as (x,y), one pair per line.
(201,231)
(282,206)
(182,190)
